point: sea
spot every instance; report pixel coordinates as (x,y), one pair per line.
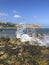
(11,32)
(43,34)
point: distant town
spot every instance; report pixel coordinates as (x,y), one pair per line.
(9,24)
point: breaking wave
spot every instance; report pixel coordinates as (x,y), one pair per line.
(44,41)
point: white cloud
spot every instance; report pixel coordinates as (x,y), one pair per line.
(14,11)
(3,14)
(17,16)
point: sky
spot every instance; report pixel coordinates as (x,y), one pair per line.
(26,11)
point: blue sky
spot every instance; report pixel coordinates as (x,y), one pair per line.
(26,11)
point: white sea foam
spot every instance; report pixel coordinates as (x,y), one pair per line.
(25,37)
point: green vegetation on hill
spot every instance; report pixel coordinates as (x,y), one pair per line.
(8,24)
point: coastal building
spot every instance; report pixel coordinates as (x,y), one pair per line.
(29,25)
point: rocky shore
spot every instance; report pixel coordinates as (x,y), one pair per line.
(13,53)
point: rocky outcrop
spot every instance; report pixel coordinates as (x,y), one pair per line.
(28,25)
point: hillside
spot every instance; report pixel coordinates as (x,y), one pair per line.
(7,24)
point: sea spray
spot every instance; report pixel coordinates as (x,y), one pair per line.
(25,37)
(20,29)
